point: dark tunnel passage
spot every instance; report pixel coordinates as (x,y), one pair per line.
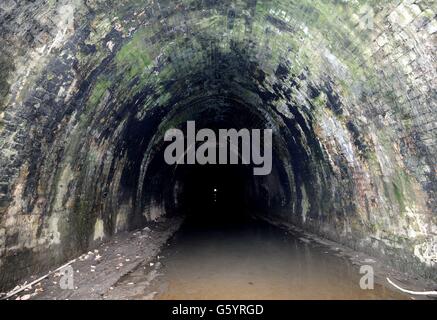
(214,191)
(91,89)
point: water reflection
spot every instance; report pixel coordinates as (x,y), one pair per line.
(255,261)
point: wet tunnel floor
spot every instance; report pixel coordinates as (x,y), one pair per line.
(251,260)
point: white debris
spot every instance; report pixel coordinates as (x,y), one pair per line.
(110,45)
(16,288)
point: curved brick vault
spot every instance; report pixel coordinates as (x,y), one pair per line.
(88,88)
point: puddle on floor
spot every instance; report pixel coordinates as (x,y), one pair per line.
(249,261)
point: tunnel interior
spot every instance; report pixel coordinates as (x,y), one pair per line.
(91,88)
(216,191)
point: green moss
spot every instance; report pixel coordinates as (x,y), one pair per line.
(398,192)
(403,190)
(88,61)
(372,159)
(133,58)
(391,97)
(213,21)
(407,121)
(163,98)
(320,100)
(98,91)
(262,7)
(386,189)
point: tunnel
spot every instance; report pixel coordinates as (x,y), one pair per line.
(89,89)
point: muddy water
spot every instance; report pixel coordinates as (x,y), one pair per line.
(254,261)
